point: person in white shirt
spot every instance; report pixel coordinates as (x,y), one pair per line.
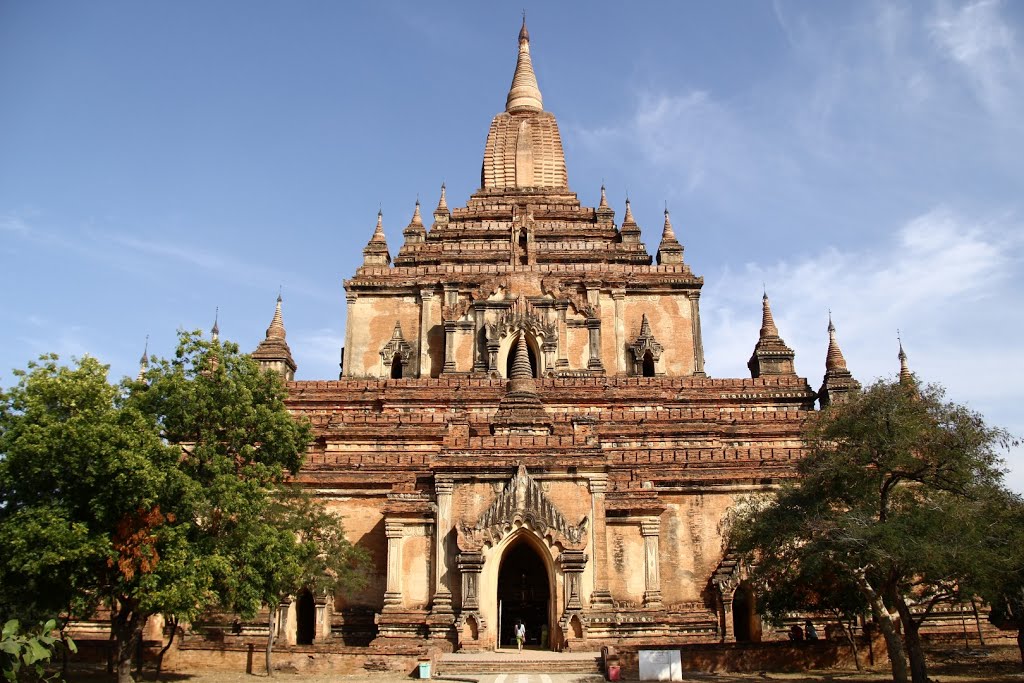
(520,635)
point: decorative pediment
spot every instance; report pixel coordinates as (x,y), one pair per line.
(521,316)
(522,503)
(396,346)
(643,343)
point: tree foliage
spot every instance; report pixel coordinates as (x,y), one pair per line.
(24,655)
(153,497)
(887,476)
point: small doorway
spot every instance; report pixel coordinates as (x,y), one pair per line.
(524,594)
(746,625)
(648,364)
(305,618)
(396,367)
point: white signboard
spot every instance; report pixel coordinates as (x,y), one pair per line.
(660,665)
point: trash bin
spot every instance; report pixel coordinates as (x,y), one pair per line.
(614,672)
(425,669)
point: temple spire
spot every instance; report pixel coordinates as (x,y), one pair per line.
(521,363)
(143,362)
(630,231)
(215,330)
(906,376)
(442,203)
(768,328)
(838,383)
(670,252)
(604,199)
(834,359)
(376,253)
(273,353)
(524,95)
(771,356)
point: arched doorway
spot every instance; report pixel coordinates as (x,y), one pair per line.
(396,367)
(524,593)
(746,625)
(305,618)
(648,364)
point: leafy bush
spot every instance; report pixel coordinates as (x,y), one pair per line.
(23,656)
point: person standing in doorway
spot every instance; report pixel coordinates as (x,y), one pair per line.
(520,635)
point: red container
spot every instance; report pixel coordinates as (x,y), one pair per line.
(614,672)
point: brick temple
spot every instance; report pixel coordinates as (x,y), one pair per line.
(523,428)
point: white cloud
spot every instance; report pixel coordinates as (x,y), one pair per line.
(946,280)
(976,37)
(317,352)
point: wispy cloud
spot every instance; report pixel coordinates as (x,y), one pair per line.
(978,38)
(317,351)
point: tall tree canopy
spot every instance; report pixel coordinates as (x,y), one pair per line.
(892,498)
(146,496)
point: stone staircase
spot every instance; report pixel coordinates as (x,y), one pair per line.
(529,661)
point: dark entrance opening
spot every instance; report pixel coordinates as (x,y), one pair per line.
(396,367)
(648,364)
(743,614)
(523,595)
(305,618)
(524,254)
(512,359)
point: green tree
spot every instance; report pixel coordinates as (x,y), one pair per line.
(138,490)
(291,543)
(24,655)
(886,477)
(1004,591)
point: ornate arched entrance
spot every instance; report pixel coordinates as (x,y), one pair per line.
(516,546)
(524,594)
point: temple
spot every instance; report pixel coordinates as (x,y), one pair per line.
(523,428)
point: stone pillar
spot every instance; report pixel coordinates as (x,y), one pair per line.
(726,591)
(346,363)
(650,529)
(394,531)
(698,341)
(594,328)
(479,354)
(619,296)
(601,595)
(470,566)
(322,625)
(573,562)
(284,610)
(426,300)
(563,361)
(449,346)
(442,592)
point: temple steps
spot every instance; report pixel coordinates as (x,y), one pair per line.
(529,661)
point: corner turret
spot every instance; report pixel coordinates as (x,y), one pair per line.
(273,353)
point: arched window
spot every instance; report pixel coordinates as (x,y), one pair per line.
(648,364)
(396,367)
(524,257)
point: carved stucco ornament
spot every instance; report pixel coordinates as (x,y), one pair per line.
(522,503)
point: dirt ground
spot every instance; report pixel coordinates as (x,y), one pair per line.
(996,664)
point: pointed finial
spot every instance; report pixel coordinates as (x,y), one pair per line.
(417,219)
(834,359)
(906,376)
(521,364)
(215,330)
(667,233)
(604,199)
(524,95)
(645,326)
(442,204)
(628,217)
(143,362)
(768,328)
(276,329)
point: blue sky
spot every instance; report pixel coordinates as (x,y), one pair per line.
(158,160)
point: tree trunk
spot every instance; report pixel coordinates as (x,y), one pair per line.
(851,636)
(918,666)
(977,623)
(270,638)
(173,621)
(1020,644)
(128,629)
(884,619)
